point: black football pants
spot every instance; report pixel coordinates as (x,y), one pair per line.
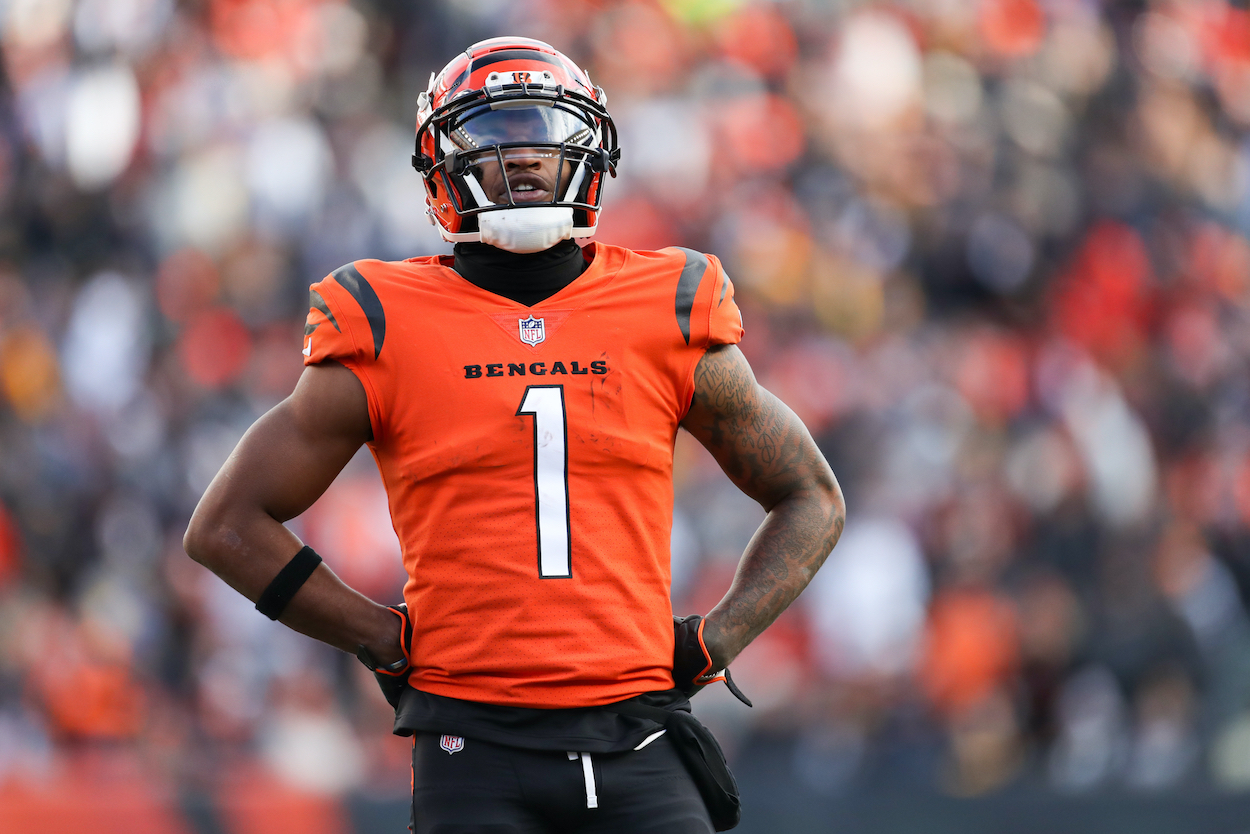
(483,788)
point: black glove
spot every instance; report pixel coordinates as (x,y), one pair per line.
(392,680)
(692,665)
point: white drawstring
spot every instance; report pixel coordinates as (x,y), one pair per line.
(592,800)
(650,739)
(588,772)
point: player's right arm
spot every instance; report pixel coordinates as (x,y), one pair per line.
(284,462)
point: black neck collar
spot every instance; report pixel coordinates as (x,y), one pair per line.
(525,279)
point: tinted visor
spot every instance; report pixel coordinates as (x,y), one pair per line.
(484,127)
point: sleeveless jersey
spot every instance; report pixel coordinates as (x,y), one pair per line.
(527,455)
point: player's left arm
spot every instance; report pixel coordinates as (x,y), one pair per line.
(768,453)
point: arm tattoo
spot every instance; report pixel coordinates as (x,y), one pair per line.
(769,454)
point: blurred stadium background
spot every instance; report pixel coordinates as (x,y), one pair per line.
(993,252)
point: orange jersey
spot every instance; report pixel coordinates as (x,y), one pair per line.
(527,454)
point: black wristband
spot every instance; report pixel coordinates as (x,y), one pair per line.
(273,600)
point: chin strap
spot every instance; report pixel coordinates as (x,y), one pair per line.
(526,230)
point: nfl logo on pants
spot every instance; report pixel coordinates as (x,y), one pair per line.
(452,744)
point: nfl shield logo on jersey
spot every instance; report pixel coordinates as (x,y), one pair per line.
(532,330)
(452,744)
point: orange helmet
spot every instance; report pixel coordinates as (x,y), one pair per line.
(501,100)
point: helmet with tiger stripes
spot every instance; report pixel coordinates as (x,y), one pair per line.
(513,142)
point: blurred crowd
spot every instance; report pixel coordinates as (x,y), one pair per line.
(993,253)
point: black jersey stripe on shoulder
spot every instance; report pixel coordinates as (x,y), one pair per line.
(688,286)
(350,279)
(316,302)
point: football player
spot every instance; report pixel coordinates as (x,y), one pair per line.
(521,399)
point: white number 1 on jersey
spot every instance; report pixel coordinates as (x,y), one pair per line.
(551,478)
